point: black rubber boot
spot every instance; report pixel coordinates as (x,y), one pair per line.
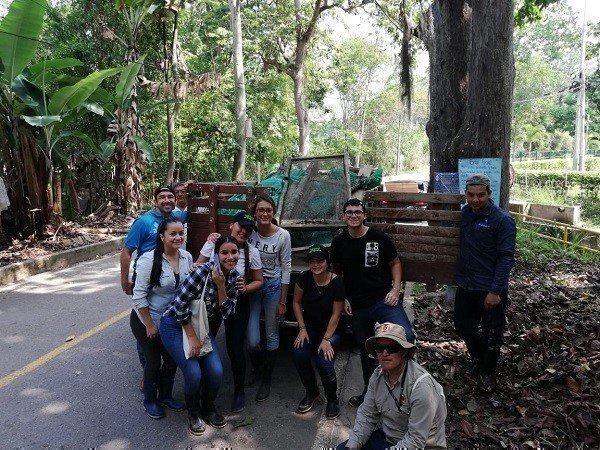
(256,362)
(264,389)
(209,411)
(307,403)
(332,410)
(195,423)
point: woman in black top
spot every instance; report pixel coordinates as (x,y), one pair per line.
(318,302)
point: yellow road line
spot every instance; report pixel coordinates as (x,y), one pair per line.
(59,350)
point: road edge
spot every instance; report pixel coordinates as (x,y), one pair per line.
(13,273)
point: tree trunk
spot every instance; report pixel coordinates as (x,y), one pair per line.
(448,82)
(170,144)
(239,161)
(405,71)
(301,112)
(129,162)
(57,193)
(73,196)
(486,129)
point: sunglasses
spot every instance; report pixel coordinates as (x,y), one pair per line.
(390,349)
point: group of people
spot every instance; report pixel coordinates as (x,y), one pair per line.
(179,305)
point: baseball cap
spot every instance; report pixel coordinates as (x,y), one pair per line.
(245,219)
(160,189)
(317,251)
(388,330)
(478,179)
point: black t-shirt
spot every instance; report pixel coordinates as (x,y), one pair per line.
(317,301)
(365,264)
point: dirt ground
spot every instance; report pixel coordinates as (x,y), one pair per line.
(87,230)
(548,384)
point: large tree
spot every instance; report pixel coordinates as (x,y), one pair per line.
(471,83)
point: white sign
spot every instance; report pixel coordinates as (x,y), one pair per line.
(492,167)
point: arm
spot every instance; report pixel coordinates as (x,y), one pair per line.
(256,284)
(227,297)
(505,249)
(302,333)
(195,344)
(285,259)
(422,412)
(393,296)
(367,418)
(191,288)
(208,248)
(325,345)
(125,261)
(140,293)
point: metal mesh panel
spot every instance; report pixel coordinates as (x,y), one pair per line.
(317,189)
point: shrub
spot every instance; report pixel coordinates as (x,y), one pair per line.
(587,182)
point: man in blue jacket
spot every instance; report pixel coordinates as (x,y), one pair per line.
(487,254)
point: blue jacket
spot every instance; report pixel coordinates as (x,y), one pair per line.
(487,249)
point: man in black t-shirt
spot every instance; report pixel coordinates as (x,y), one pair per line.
(369,264)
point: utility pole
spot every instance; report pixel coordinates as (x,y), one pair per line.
(580,141)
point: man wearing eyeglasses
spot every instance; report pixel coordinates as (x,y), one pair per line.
(368,261)
(402,396)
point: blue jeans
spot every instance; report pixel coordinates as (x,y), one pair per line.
(302,360)
(268,299)
(376,441)
(210,365)
(363,327)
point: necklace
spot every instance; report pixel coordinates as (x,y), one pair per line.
(318,288)
(399,402)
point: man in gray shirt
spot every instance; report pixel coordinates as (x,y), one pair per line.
(402,396)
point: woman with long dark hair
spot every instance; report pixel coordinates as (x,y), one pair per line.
(217,279)
(251,281)
(159,273)
(318,303)
(275,248)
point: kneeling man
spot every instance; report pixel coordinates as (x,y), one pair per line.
(402,396)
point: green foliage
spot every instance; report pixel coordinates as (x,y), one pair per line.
(530,11)
(19,33)
(556,164)
(531,248)
(588,182)
(126,82)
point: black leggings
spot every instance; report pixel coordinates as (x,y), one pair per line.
(235,338)
(159,368)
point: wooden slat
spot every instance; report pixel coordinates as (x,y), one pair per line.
(453,199)
(411,247)
(316,225)
(232,204)
(428,240)
(416,230)
(415,214)
(197,202)
(224,219)
(423,272)
(423,257)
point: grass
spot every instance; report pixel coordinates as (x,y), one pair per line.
(533,249)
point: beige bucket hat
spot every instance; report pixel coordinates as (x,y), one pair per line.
(388,330)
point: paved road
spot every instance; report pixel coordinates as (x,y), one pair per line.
(84,392)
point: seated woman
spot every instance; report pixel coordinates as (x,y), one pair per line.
(219,277)
(318,303)
(236,325)
(158,276)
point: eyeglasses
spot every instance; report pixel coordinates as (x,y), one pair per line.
(354,213)
(390,349)
(264,210)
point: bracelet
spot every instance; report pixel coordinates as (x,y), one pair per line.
(301,327)
(327,339)
(282,304)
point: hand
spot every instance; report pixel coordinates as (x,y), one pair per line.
(491,300)
(240,285)
(218,277)
(347,308)
(392,297)
(193,267)
(212,237)
(127,286)
(195,346)
(151,330)
(302,336)
(327,350)
(281,309)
